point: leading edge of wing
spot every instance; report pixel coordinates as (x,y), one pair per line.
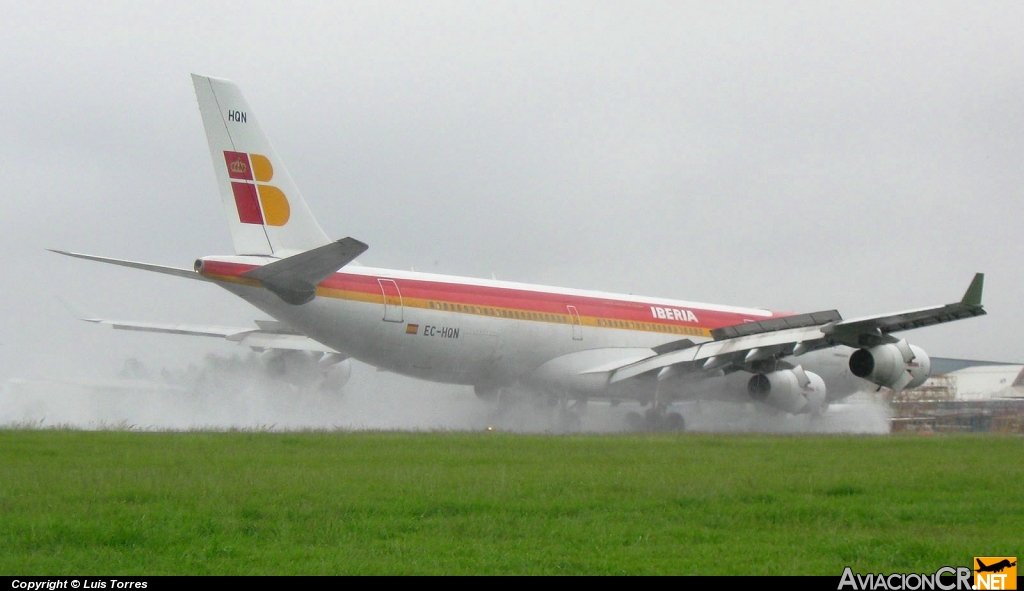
(177,272)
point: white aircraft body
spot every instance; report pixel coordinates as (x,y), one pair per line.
(570,345)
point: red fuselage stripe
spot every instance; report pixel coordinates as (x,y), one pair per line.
(510,298)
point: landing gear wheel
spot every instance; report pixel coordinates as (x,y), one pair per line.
(506,401)
(674,422)
(655,419)
(569,421)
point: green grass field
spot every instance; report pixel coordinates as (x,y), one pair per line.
(76,502)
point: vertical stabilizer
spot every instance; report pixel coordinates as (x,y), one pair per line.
(265,211)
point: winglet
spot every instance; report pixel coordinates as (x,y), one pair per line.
(77,311)
(972,297)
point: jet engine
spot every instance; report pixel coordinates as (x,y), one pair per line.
(793,390)
(336,375)
(898,366)
(304,369)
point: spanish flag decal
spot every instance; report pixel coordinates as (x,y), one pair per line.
(412,328)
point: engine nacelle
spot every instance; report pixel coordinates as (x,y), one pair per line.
(336,376)
(293,367)
(898,366)
(793,390)
(306,369)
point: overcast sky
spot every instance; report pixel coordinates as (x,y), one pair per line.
(795,156)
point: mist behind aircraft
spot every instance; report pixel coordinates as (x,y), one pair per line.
(234,392)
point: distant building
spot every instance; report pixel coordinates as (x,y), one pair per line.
(963,395)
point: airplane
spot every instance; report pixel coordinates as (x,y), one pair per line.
(501,337)
(994,568)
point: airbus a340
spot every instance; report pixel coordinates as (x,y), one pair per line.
(564,344)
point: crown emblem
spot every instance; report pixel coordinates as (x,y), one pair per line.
(238,166)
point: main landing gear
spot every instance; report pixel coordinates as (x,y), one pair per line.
(655,418)
(522,410)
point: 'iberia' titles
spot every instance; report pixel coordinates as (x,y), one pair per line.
(679,314)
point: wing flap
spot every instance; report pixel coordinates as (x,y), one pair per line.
(775,324)
(261,341)
(715,355)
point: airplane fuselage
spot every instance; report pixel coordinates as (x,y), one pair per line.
(483,333)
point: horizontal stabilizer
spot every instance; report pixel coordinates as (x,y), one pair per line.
(295,278)
(186,273)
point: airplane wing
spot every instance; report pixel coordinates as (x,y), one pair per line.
(745,346)
(267,335)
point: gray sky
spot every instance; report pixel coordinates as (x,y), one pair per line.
(795,156)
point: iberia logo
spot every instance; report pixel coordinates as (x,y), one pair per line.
(995,572)
(257,203)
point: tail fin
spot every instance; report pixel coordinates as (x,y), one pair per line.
(265,211)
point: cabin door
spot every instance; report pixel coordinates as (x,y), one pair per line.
(574,319)
(393,310)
